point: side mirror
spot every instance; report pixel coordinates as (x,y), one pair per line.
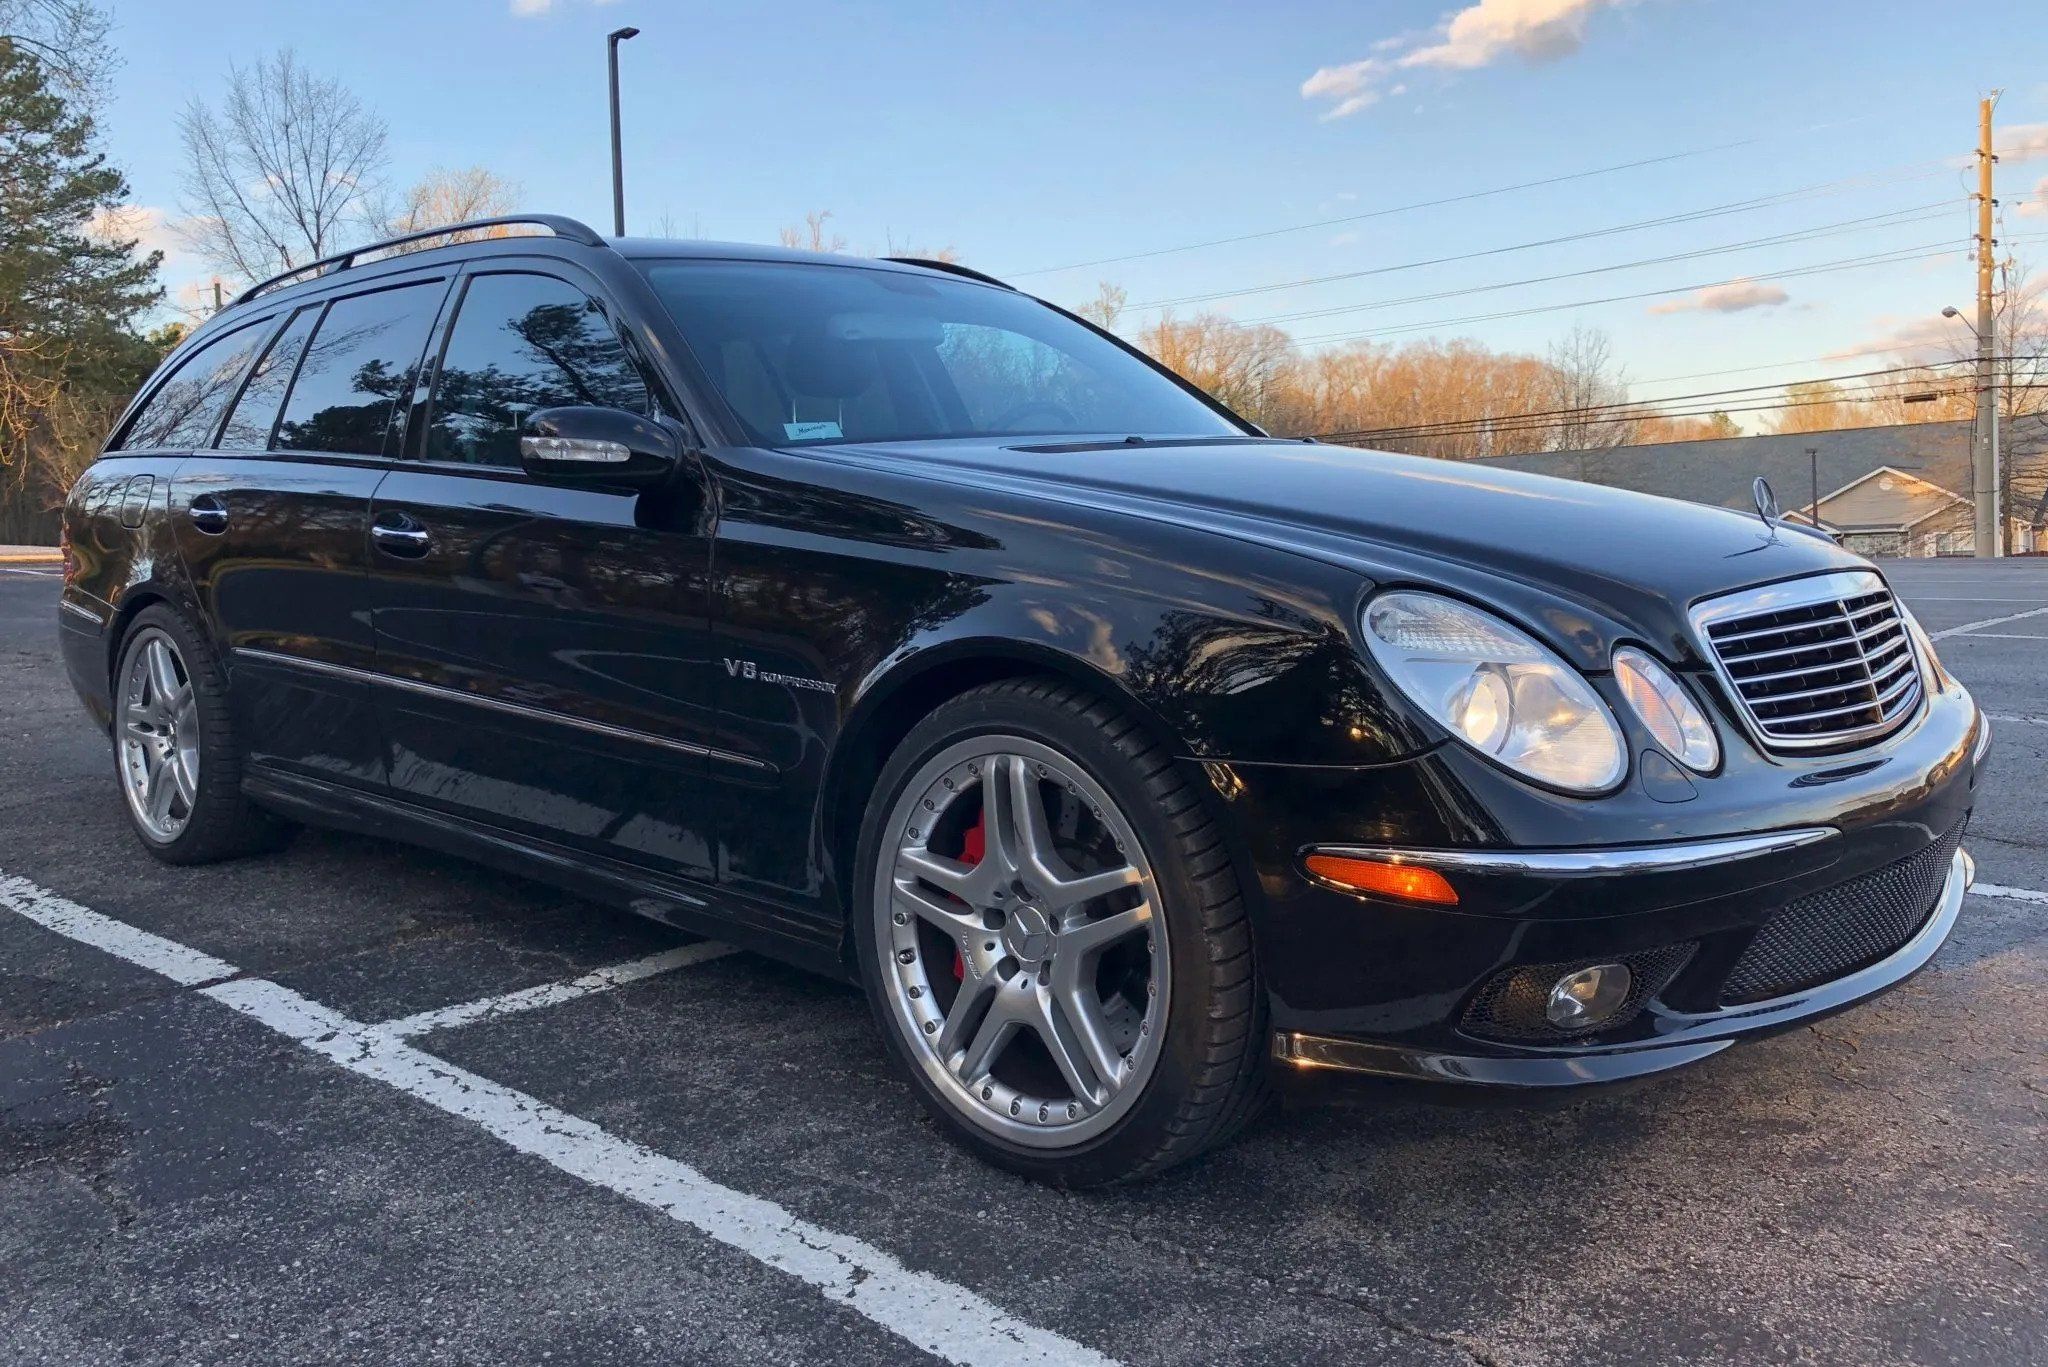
(580,445)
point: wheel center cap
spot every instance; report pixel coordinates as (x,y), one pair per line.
(1027,934)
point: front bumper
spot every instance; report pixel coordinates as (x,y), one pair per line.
(1674,1037)
(1373,985)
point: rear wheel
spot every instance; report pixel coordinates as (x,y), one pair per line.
(174,747)
(1054,941)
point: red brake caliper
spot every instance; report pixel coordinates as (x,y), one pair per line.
(973,845)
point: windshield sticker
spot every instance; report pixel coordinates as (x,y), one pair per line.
(812,431)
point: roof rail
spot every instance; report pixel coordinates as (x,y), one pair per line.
(557,224)
(952,268)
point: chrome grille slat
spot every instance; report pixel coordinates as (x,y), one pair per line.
(1823,662)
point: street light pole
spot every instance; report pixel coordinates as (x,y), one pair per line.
(611,44)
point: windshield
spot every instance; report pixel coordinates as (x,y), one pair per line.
(807,354)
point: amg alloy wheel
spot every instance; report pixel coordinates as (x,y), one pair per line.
(1053,939)
(158,739)
(1027,968)
(175,755)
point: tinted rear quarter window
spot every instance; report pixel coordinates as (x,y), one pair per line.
(187,406)
(255,413)
(360,363)
(523,342)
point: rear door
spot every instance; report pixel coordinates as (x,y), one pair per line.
(273,524)
(546,646)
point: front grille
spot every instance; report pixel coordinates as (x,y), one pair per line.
(1843,928)
(1819,662)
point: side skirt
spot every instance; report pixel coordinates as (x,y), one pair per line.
(693,907)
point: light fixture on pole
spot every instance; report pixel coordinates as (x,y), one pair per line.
(611,43)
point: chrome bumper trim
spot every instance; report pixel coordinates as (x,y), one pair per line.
(1596,862)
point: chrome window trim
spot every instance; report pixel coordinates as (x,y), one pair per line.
(1798,593)
(543,714)
(1594,861)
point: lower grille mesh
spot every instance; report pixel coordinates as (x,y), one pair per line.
(1843,928)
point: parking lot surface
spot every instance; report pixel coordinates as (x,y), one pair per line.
(586,1139)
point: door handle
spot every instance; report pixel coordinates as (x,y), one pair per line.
(398,534)
(208,514)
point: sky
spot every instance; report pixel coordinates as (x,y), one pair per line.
(1060,144)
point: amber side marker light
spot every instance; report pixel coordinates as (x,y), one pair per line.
(1405,882)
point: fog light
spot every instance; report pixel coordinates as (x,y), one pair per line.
(1588,996)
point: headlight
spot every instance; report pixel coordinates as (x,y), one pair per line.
(1937,677)
(1498,689)
(1667,710)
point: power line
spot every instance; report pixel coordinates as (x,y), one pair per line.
(1694,406)
(1900,256)
(1665,220)
(1636,407)
(1465,198)
(1897,218)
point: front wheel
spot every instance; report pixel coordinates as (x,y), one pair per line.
(1054,941)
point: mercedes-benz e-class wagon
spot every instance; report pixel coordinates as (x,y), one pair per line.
(877,616)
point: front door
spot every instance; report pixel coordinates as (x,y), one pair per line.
(273,525)
(545,646)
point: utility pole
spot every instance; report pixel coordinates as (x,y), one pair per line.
(1985,463)
(217,305)
(611,47)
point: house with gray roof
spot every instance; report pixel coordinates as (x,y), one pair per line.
(1899,490)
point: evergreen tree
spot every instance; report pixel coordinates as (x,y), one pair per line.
(70,289)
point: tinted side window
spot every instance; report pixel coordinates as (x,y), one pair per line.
(523,342)
(184,410)
(360,363)
(255,413)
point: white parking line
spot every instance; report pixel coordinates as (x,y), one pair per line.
(2012,894)
(938,1316)
(2012,717)
(554,994)
(30,574)
(1968,598)
(180,963)
(2004,636)
(1967,627)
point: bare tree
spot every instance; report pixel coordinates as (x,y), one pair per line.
(281,173)
(69,37)
(453,196)
(812,237)
(1107,306)
(1586,386)
(1819,406)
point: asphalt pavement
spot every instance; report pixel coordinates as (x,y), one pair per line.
(355,1102)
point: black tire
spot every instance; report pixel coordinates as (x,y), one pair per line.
(222,823)
(1211,1078)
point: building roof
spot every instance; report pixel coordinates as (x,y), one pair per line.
(1722,471)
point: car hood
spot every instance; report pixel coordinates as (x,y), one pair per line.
(1634,558)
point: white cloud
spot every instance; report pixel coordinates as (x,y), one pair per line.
(1476,36)
(2021,142)
(2035,205)
(526,9)
(1917,340)
(1733,297)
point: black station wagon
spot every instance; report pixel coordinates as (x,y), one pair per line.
(876,616)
